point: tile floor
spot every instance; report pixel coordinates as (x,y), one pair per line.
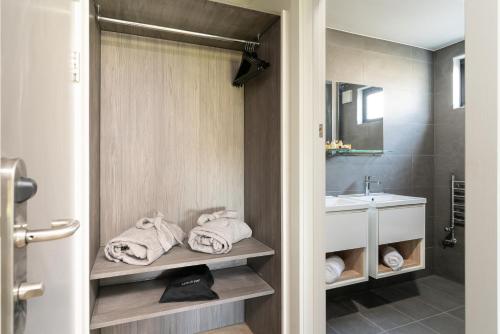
(427,305)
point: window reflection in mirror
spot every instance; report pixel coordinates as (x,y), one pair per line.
(358,121)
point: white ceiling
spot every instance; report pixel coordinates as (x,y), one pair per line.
(428,24)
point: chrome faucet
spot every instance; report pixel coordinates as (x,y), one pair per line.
(368,181)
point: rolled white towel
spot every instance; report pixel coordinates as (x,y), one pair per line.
(334,268)
(392,258)
(217,232)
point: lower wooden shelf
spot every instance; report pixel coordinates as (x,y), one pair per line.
(120,304)
(235,329)
(408,263)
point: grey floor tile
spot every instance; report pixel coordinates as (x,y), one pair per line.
(445,324)
(437,298)
(455,289)
(353,323)
(459,313)
(330,330)
(407,302)
(368,300)
(386,317)
(415,308)
(413,328)
(340,307)
(391,294)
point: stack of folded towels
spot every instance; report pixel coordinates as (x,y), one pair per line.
(151,237)
(335,266)
(391,258)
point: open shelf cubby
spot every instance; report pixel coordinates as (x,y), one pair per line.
(355,267)
(123,303)
(411,252)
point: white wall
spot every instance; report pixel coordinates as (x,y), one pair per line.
(482,166)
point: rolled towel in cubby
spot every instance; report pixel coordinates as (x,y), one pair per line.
(334,268)
(391,258)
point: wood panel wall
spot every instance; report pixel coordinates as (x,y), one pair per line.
(171,131)
(189,322)
(171,139)
(263,180)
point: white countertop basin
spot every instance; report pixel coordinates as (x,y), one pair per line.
(333,204)
(383,200)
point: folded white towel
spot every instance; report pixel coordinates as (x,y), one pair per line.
(217,232)
(334,268)
(142,244)
(392,258)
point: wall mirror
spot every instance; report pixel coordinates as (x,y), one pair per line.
(357,125)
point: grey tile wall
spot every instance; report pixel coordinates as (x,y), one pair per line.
(406,74)
(449,151)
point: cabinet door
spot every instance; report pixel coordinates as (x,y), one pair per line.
(346,230)
(401,223)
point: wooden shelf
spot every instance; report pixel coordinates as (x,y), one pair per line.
(349,274)
(348,277)
(235,329)
(408,263)
(119,304)
(178,257)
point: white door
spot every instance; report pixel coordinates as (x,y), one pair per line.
(41,113)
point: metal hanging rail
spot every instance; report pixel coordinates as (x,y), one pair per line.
(175,31)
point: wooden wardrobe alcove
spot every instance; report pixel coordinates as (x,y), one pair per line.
(169,132)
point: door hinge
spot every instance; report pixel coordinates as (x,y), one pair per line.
(321,130)
(75,66)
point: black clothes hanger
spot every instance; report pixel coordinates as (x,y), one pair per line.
(251,66)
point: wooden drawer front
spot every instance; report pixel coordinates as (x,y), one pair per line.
(398,224)
(346,230)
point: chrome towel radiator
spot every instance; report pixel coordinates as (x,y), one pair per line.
(457,203)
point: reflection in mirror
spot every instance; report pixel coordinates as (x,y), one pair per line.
(358,121)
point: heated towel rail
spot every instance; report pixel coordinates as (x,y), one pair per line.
(457,216)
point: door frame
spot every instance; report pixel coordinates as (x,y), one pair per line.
(81,109)
(482,166)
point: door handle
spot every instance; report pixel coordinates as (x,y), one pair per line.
(27,291)
(59,229)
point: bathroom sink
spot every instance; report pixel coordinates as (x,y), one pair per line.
(383,200)
(333,204)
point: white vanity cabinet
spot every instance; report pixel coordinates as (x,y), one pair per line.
(346,235)
(402,226)
(397,221)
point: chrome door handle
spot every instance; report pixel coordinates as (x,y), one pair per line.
(60,229)
(27,291)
